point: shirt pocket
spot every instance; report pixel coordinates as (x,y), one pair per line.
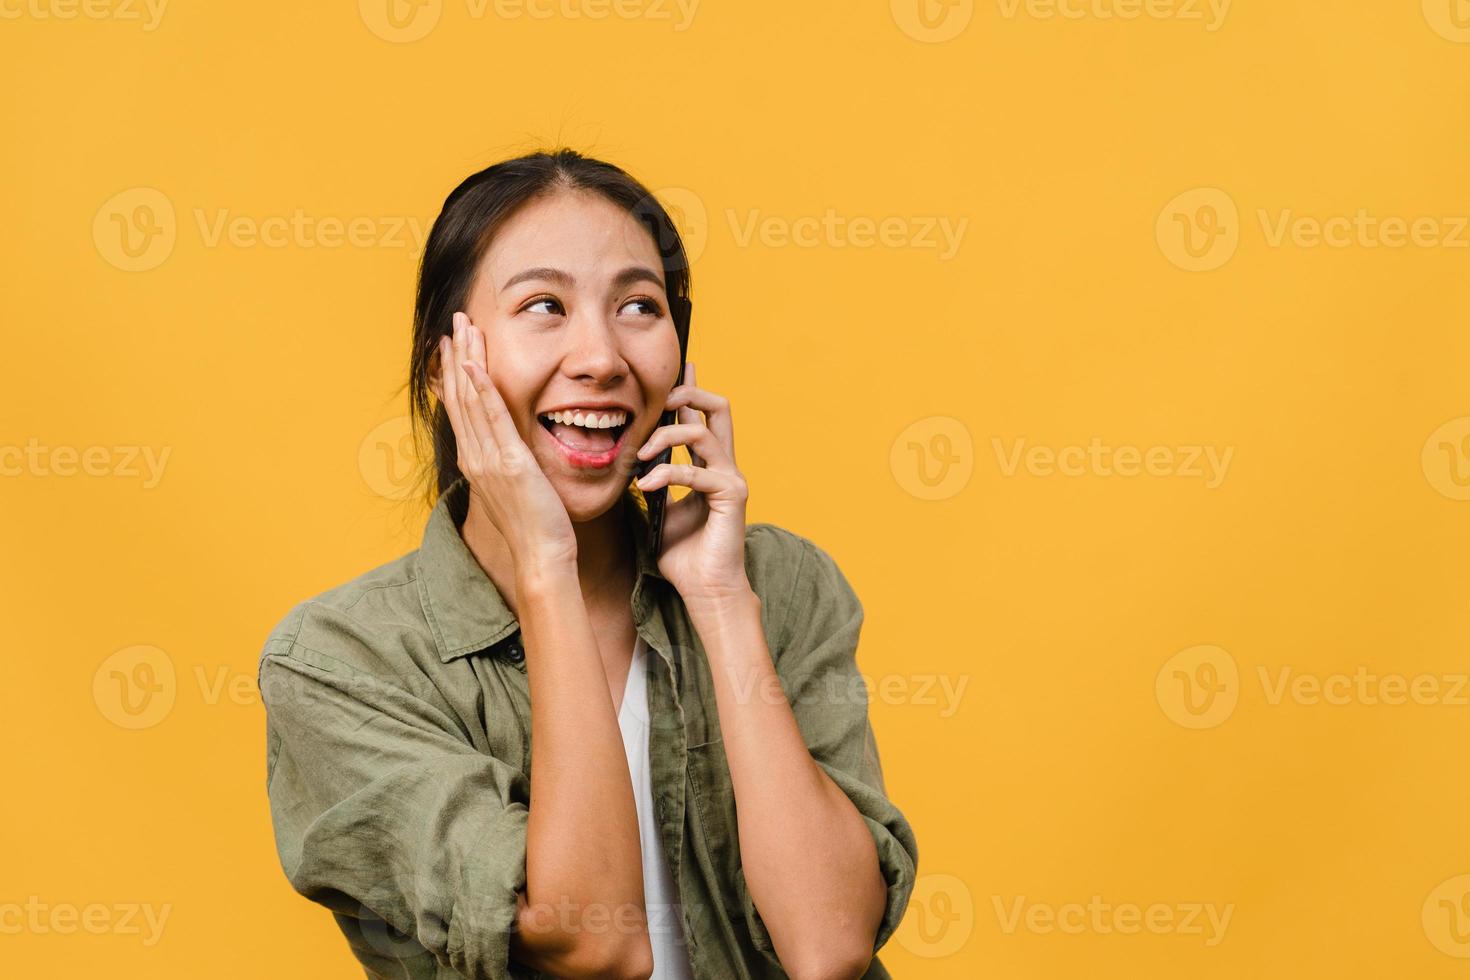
(715,820)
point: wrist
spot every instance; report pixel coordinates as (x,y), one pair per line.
(545,575)
(724,603)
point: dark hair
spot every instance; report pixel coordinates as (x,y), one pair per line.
(472,214)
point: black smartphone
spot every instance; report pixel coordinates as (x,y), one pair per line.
(680,309)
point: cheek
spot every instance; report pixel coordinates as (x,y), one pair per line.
(661,363)
(515,378)
(516,389)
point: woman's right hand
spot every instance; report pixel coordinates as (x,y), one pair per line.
(504,476)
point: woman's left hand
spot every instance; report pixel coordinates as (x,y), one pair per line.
(704,532)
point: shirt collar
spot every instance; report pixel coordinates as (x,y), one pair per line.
(465,610)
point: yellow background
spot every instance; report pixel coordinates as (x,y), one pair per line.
(879,388)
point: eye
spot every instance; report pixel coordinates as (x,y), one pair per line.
(650,307)
(543,301)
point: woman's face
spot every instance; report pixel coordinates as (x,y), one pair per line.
(570,297)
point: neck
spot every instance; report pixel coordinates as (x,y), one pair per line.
(605,556)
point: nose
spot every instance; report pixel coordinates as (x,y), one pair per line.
(594,352)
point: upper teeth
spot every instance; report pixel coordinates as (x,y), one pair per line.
(589,419)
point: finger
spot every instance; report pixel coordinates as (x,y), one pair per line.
(716,409)
(491,407)
(471,438)
(477,346)
(451,380)
(486,407)
(699,478)
(694,436)
(688,415)
(476,382)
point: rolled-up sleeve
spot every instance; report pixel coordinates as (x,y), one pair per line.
(386,815)
(816,661)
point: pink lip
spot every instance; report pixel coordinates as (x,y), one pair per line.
(586,460)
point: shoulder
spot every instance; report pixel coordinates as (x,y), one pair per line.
(369,623)
(795,577)
(774,556)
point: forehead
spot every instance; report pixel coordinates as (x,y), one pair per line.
(579,231)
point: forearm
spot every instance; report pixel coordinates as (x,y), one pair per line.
(809,860)
(584,875)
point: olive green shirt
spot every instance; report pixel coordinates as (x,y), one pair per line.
(398,753)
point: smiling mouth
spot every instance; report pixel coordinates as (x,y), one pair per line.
(586,447)
(581,438)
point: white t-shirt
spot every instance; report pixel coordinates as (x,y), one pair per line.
(660,894)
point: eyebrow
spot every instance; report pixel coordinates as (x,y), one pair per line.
(628,276)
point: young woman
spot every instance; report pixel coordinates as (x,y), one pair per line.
(531,747)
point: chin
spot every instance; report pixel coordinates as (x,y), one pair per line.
(588,502)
